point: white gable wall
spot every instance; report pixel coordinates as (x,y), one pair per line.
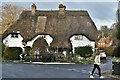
(13,42)
(17,42)
(84,41)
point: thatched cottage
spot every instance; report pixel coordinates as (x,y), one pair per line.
(46,30)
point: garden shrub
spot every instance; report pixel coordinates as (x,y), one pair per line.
(27,50)
(85,51)
(2,48)
(12,53)
(117,52)
(118,31)
(108,50)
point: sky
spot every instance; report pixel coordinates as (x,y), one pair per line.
(101,12)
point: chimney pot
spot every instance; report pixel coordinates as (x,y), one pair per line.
(62,7)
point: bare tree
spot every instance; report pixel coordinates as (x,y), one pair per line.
(104,27)
(105,30)
(10,13)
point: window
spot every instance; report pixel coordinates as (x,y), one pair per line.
(80,37)
(14,35)
(43,36)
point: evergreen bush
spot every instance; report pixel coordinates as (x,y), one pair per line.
(12,53)
(27,50)
(2,48)
(85,51)
(118,31)
(117,50)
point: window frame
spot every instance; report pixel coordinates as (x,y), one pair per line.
(14,35)
(78,37)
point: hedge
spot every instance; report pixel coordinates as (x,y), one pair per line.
(117,52)
(12,53)
(85,51)
(27,50)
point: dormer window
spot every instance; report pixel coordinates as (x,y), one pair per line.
(43,36)
(14,35)
(79,37)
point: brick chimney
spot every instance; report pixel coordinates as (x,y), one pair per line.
(62,8)
(33,8)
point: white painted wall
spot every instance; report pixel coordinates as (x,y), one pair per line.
(17,42)
(13,42)
(84,42)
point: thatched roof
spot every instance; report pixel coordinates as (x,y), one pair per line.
(61,26)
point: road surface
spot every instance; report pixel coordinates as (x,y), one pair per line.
(14,70)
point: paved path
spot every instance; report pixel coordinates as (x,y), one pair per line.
(11,70)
